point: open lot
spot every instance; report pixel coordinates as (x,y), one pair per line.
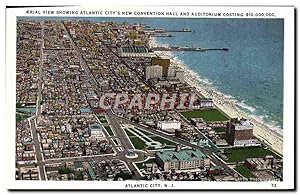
(136,142)
(109,130)
(144,132)
(141,139)
(206,115)
(102,118)
(241,154)
(220,130)
(243,170)
(20,117)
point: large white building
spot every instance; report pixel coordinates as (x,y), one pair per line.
(175,73)
(166,125)
(172,71)
(180,75)
(72,31)
(154,71)
(96,131)
(206,103)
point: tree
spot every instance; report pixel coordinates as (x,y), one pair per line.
(64,170)
(18,105)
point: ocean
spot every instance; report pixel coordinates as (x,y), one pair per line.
(250,73)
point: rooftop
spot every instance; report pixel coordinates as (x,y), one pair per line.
(95,126)
(183,155)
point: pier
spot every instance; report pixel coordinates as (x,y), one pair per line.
(162,35)
(182,30)
(161,30)
(187,49)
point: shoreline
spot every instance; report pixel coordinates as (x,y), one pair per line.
(272,138)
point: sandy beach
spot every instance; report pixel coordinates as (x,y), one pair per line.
(271,137)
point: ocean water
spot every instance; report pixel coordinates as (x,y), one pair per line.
(250,73)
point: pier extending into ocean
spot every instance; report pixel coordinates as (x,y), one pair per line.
(175,48)
(160,32)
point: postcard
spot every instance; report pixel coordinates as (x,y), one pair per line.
(150,98)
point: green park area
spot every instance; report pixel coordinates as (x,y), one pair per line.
(109,130)
(64,170)
(206,115)
(243,170)
(220,130)
(241,154)
(20,117)
(163,141)
(144,132)
(139,143)
(136,142)
(102,118)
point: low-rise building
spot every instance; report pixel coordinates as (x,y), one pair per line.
(206,103)
(167,125)
(260,163)
(199,123)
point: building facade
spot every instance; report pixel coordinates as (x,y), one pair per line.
(206,103)
(153,72)
(182,159)
(240,133)
(175,73)
(96,131)
(165,125)
(164,62)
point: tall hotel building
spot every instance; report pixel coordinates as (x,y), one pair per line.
(153,72)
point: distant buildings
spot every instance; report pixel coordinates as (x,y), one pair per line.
(151,168)
(24,144)
(154,71)
(264,169)
(240,133)
(181,159)
(28,173)
(260,163)
(105,170)
(72,31)
(184,133)
(135,51)
(199,123)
